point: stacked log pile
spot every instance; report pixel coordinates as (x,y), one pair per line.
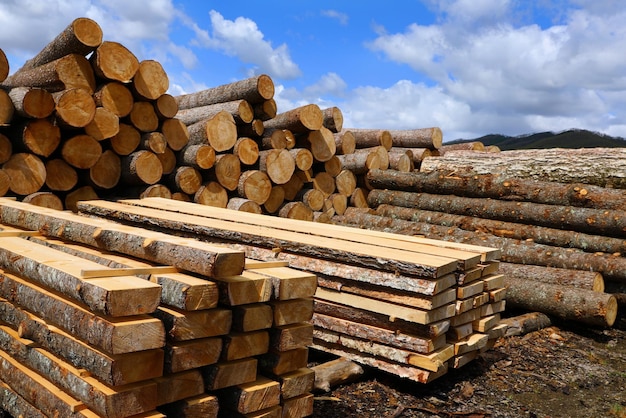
(410,306)
(102,319)
(560,242)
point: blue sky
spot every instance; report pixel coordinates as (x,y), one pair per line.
(470,67)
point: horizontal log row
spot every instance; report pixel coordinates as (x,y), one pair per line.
(414,320)
(106,331)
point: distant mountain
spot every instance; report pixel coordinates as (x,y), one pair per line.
(573,138)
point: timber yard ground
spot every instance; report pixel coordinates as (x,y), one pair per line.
(565,370)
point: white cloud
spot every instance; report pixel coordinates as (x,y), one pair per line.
(342,18)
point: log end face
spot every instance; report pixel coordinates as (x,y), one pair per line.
(265,86)
(88,32)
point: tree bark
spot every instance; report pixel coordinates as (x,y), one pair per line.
(31,102)
(431,138)
(219,131)
(525,323)
(255,90)
(27,173)
(81,151)
(580,279)
(74,107)
(501,187)
(241,111)
(369,138)
(150,80)
(463,146)
(113,61)
(593,221)
(333,119)
(585,306)
(104,125)
(302,119)
(115,97)
(595,166)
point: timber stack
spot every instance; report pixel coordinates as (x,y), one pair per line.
(123,321)
(409,306)
(561,241)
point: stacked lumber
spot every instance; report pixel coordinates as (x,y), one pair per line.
(112,320)
(558,244)
(409,306)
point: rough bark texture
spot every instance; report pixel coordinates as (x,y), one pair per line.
(240,109)
(580,279)
(299,120)
(430,138)
(368,138)
(525,323)
(595,166)
(254,90)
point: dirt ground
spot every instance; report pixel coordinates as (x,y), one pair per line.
(561,371)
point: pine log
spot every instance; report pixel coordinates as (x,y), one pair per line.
(255,90)
(227,171)
(333,119)
(175,133)
(7,108)
(31,102)
(27,173)
(15,405)
(525,323)
(126,140)
(247,150)
(244,205)
(219,131)
(154,142)
(279,165)
(332,166)
(74,107)
(274,139)
(296,210)
(593,221)
(241,111)
(585,306)
(168,160)
(165,106)
(143,117)
(105,124)
(4,66)
(4,182)
(334,373)
(81,151)
(345,182)
(293,186)
(113,61)
(476,146)
(200,156)
(401,161)
(65,73)
(275,200)
(150,80)
(579,279)
(253,129)
(595,166)
(299,120)
(60,175)
(513,251)
(141,167)
(313,198)
(358,199)
(254,185)
(185,179)
(302,157)
(183,197)
(6,148)
(265,110)
(501,187)
(44,199)
(431,138)
(368,138)
(212,194)
(322,144)
(418,154)
(115,97)
(361,162)
(344,142)
(107,171)
(114,370)
(539,234)
(38,136)
(82,193)
(81,37)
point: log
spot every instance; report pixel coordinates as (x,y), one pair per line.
(104,125)
(275,200)
(418,154)
(31,102)
(143,117)
(595,166)
(154,142)
(113,61)
(325,183)
(358,199)
(27,173)
(344,142)
(81,151)
(74,107)
(254,185)
(244,205)
(501,187)
(296,210)
(512,230)
(115,97)
(279,165)
(345,182)
(150,80)
(401,161)
(165,106)
(4,182)
(141,167)
(81,36)
(265,110)
(303,158)
(312,198)
(302,119)
(38,136)
(241,111)
(274,139)
(168,160)
(322,144)
(361,162)
(66,73)
(82,193)
(593,221)
(15,405)
(4,66)
(513,251)
(212,194)
(185,179)
(254,89)
(44,199)
(227,171)
(247,150)
(201,157)
(218,131)
(580,279)
(525,323)
(175,133)
(254,129)
(334,373)
(6,148)
(126,140)
(368,138)
(332,166)
(333,119)
(467,146)
(430,138)
(585,306)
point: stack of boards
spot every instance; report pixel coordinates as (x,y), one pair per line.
(410,306)
(103,319)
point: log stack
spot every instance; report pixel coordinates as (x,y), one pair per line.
(409,306)
(115,321)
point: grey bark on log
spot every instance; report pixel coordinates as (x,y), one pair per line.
(254,90)
(430,138)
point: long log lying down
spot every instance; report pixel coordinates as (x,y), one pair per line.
(581,279)
(241,111)
(254,89)
(538,234)
(593,221)
(597,166)
(430,138)
(513,251)
(525,323)
(187,254)
(502,187)
(299,120)
(366,255)
(335,372)
(586,306)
